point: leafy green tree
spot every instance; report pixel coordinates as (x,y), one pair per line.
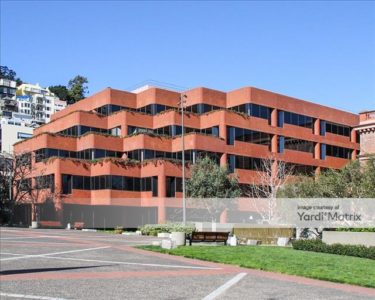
(10,74)
(355,180)
(352,181)
(61,91)
(208,185)
(77,88)
(7,73)
(368,182)
(209,180)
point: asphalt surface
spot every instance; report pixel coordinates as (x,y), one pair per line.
(61,264)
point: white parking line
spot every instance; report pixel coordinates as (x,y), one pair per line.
(133,263)
(53,253)
(29,296)
(19,237)
(118,262)
(224,287)
(36,242)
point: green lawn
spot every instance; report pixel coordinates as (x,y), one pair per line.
(337,268)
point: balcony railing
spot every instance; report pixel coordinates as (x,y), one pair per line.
(8,83)
(9,102)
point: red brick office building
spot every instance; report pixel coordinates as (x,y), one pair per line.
(121,149)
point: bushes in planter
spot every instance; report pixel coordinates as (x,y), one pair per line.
(369,229)
(119,230)
(154,229)
(349,250)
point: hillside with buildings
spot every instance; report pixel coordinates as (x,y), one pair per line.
(23,108)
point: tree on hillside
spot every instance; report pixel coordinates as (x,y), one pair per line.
(77,88)
(75,91)
(61,91)
(208,184)
(10,74)
(7,73)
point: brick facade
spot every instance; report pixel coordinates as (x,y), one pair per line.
(122,148)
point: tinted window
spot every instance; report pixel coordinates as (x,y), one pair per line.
(338,129)
(340,152)
(298,120)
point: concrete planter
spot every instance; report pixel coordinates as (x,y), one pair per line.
(34,225)
(179,238)
(349,238)
(168,244)
(283,241)
(156,243)
(232,241)
(163,235)
(252,242)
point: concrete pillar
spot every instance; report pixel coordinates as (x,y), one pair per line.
(162,212)
(223,160)
(224,216)
(223,131)
(317,171)
(274,143)
(58,202)
(124,130)
(317,127)
(162,193)
(274,118)
(317,151)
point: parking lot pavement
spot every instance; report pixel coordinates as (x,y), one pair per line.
(60,264)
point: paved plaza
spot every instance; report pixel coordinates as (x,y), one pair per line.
(61,264)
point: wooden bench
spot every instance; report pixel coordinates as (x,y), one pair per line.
(208,237)
(78,225)
(50,224)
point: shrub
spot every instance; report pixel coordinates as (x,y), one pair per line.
(369,229)
(349,250)
(119,230)
(154,229)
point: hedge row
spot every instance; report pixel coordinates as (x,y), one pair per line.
(350,250)
(369,229)
(154,229)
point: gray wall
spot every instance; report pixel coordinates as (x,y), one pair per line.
(349,238)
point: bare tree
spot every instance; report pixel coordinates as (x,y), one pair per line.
(271,175)
(23,183)
(15,174)
(42,189)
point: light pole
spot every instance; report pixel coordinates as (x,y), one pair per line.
(182,102)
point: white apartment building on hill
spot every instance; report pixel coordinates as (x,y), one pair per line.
(22,109)
(38,102)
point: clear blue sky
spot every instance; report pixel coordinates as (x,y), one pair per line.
(318,51)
